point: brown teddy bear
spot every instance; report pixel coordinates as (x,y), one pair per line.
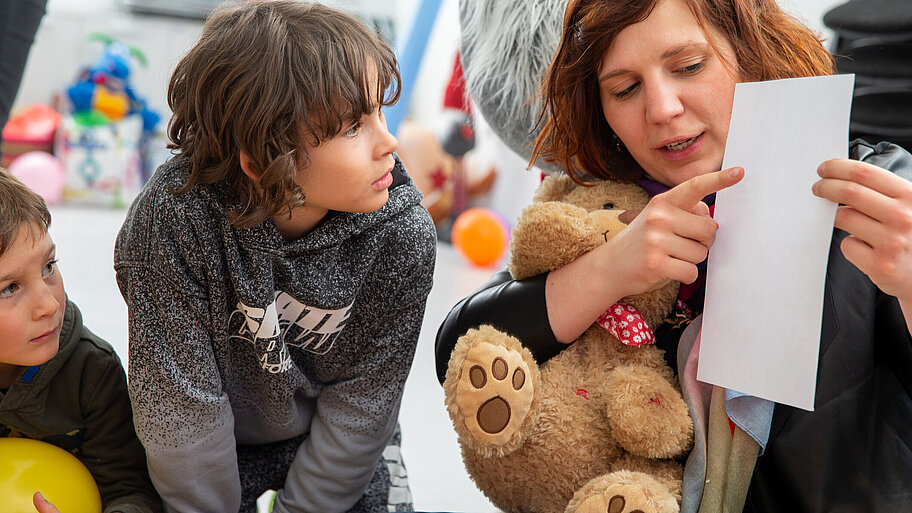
(594,428)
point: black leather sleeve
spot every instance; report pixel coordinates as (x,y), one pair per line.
(514,307)
(886,155)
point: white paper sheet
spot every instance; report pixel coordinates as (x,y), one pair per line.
(766,269)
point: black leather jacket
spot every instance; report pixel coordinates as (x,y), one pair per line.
(854,451)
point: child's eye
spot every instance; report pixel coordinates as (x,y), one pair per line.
(49,268)
(9,290)
(353,131)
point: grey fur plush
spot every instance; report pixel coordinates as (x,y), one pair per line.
(506,47)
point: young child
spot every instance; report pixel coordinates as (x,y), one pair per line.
(276,270)
(59,382)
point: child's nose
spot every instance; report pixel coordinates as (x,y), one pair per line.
(386,143)
(390,143)
(46,303)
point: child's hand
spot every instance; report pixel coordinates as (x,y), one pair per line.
(42,504)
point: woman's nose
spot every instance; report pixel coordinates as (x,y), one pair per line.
(663,103)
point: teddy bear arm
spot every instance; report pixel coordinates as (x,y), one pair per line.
(647,414)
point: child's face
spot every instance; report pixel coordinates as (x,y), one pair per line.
(32,301)
(351,172)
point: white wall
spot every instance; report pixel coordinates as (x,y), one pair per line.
(812,11)
(61,48)
(515,185)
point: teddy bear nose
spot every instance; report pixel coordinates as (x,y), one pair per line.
(628,216)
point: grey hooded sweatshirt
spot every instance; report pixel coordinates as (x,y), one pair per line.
(239,337)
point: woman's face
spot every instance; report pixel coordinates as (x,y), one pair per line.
(667,95)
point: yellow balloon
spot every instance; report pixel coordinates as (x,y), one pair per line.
(29,466)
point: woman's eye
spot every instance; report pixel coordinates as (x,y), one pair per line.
(693,68)
(626,92)
(9,290)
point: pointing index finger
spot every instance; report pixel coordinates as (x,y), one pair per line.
(686,195)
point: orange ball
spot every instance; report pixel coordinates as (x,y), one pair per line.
(480,236)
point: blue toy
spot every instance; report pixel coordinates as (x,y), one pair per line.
(102,92)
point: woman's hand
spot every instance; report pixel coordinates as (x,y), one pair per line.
(42,504)
(670,236)
(666,241)
(876,211)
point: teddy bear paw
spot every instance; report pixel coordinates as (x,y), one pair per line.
(494,395)
(618,499)
(623,492)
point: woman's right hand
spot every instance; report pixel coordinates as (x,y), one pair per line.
(668,238)
(665,242)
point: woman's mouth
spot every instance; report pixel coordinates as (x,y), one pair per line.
(682,149)
(680,145)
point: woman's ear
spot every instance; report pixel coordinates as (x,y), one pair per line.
(249,168)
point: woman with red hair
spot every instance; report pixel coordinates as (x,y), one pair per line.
(642,90)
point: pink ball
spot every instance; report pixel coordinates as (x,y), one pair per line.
(42,172)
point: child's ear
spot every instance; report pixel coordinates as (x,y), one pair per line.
(249,168)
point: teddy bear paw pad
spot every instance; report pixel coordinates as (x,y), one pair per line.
(617,499)
(495,393)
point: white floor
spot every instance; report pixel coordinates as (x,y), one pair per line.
(85,245)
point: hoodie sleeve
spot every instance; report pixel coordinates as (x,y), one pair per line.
(181,412)
(357,414)
(111,451)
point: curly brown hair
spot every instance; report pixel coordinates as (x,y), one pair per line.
(265,78)
(768,44)
(20,207)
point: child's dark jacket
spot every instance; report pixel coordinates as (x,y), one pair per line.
(78,401)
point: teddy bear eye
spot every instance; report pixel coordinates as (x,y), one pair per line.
(608,206)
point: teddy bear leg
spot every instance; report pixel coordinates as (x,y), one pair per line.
(623,491)
(647,415)
(491,391)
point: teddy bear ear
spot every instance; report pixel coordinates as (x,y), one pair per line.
(554,188)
